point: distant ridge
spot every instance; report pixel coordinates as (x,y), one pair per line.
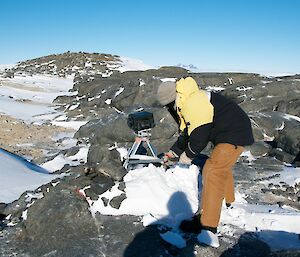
(82,63)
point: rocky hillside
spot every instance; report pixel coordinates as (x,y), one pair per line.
(71,63)
(272,103)
(55,220)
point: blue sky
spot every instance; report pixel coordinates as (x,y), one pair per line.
(259,35)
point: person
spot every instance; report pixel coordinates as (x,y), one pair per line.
(205,117)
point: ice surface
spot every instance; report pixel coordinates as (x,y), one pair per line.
(60,161)
(30,98)
(17,176)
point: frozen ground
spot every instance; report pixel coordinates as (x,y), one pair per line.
(160,197)
(168,197)
(30,98)
(18,175)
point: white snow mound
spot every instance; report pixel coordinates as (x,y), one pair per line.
(18,175)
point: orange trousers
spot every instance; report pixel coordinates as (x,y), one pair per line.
(217,181)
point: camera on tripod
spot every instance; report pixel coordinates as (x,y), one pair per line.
(141,123)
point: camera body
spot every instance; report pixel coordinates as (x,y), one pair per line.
(139,121)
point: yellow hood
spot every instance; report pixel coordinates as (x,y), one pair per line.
(193,105)
(185,88)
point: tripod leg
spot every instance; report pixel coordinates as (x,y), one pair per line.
(131,152)
(151,148)
(134,148)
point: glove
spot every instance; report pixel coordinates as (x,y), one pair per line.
(184,159)
(170,158)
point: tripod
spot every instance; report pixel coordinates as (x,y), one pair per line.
(134,158)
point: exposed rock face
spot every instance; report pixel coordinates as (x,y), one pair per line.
(58,222)
(109,100)
(67,64)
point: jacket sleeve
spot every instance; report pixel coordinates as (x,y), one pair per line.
(198,140)
(182,141)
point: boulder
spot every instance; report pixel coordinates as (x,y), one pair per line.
(61,224)
(259,149)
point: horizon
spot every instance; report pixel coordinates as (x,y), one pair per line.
(216,36)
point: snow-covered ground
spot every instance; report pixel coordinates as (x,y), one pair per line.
(130,64)
(168,197)
(6,66)
(60,161)
(18,175)
(30,98)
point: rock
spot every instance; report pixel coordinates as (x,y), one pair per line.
(100,131)
(98,186)
(16,208)
(2,207)
(117,201)
(285,253)
(72,151)
(122,186)
(66,64)
(105,201)
(106,161)
(280,155)
(284,129)
(289,137)
(70,228)
(296,160)
(259,149)
(248,245)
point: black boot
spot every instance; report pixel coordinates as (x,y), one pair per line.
(194,226)
(191,226)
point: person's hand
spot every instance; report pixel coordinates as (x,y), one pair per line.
(184,159)
(170,158)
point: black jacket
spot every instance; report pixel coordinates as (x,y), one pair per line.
(230,125)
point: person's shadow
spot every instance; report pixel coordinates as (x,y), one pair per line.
(149,242)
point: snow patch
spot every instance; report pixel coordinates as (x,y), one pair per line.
(268,138)
(17,176)
(215,88)
(249,156)
(60,161)
(73,124)
(243,88)
(291,117)
(108,101)
(168,79)
(130,64)
(119,91)
(281,127)
(176,189)
(289,175)
(73,107)
(30,98)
